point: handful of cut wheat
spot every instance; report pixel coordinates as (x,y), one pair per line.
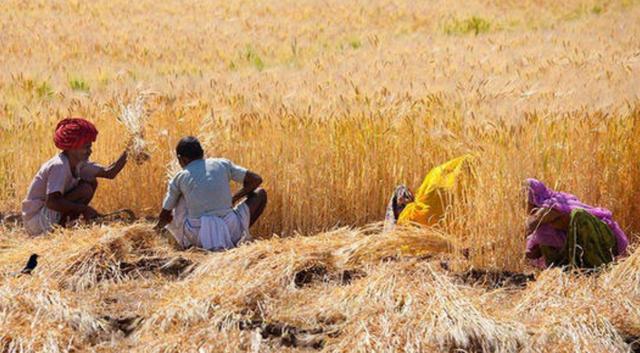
(132,116)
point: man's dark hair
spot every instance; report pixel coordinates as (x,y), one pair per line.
(189,147)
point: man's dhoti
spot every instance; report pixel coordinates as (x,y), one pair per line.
(42,222)
(210,232)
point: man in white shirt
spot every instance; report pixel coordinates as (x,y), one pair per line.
(64,186)
(198,207)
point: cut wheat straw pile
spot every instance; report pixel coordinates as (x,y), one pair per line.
(333,103)
(298,294)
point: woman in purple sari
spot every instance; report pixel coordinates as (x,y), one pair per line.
(562,231)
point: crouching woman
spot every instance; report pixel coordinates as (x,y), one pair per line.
(563,231)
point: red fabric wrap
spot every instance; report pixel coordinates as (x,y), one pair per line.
(74,133)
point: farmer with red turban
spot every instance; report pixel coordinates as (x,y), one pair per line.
(64,186)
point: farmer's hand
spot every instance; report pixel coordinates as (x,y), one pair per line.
(89,213)
(405,200)
(161,224)
(165,217)
(531,225)
(535,219)
(235,199)
(129,145)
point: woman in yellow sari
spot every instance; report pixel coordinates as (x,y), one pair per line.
(432,199)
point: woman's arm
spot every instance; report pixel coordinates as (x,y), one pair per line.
(533,253)
(548,216)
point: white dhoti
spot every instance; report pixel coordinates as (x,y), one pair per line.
(42,222)
(210,232)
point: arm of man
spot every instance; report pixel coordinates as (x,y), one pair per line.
(57,202)
(251,182)
(164,218)
(55,194)
(170,202)
(114,169)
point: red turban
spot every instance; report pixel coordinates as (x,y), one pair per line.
(74,133)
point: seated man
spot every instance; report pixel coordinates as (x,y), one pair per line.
(64,186)
(200,198)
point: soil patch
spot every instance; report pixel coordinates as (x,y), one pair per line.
(176,268)
(289,335)
(11,220)
(495,279)
(126,324)
(320,273)
(634,343)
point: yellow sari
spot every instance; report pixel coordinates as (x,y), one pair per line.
(434,195)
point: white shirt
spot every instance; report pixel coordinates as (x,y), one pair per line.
(204,184)
(55,176)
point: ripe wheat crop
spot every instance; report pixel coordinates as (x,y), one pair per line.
(333,103)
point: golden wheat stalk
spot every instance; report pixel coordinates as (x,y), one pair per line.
(133,116)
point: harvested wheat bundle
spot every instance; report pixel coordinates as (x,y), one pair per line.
(246,291)
(111,258)
(584,330)
(133,117)
(625,274)
(461,323)
(30,313)
(570,312)
(403,241)
(214,297)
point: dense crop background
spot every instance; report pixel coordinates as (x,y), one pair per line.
(333,103)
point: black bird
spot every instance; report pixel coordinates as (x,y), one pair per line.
(31,264)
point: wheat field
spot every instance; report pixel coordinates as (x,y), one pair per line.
(333,103)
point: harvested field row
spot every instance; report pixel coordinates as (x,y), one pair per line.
(291,294)
(333,103)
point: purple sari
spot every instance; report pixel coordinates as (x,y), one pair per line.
(542,197)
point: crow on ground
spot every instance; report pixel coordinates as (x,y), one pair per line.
(31,264)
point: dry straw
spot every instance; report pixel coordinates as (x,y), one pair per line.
(344,290)
(335,105)
(134,116)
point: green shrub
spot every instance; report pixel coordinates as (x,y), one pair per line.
(355,43)
(252,57)
(78,84)
(475,25)
(44,90)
